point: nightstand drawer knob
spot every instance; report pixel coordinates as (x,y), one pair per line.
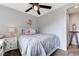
(1,47)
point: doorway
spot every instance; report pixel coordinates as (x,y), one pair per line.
(73,30)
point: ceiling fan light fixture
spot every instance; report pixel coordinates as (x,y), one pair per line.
(35,7)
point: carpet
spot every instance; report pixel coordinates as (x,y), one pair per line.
(14,52)
(73,51)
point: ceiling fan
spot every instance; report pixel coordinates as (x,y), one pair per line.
(36,7)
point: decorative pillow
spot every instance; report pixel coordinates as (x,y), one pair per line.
(28,31)
(20,30)
(32,31)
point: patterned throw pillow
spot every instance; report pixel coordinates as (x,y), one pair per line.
(29,31)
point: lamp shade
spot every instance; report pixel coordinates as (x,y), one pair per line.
(12,31)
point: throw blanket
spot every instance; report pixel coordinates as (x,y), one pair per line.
(38,45)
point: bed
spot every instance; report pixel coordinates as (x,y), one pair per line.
(38,44)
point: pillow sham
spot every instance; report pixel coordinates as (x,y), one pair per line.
(29,31)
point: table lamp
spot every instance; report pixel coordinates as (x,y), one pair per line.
(12,31)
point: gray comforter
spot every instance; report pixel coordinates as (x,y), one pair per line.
(38,45)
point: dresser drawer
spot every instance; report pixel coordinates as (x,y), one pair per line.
(10,43)
(1,47)
(1,53)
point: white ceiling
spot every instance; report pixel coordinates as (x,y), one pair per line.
(73,10)
(24,6)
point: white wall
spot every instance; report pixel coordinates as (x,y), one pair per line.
(13,18)
(55,23)
(74,19)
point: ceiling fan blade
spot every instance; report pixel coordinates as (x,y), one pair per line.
(44,6)
(33,3)
(38,12)
(28,9)
(30,3)
(37,3)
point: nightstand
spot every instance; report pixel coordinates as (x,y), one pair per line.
(10,43)
(1,47)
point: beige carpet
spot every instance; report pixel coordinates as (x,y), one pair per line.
(73,51)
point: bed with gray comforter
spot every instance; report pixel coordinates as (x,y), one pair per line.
(38,44)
